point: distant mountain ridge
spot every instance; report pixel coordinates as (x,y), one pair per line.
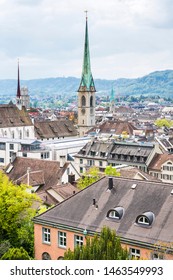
(155,83)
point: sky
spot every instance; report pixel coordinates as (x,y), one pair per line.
(127,38)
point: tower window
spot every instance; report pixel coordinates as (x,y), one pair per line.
(83,101)
(91,101)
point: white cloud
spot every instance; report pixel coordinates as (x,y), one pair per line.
(128,38)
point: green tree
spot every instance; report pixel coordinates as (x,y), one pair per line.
(16,254)
(4,247)
(111,171)
(163,122)
(16,213)
(105,246)
(88,178)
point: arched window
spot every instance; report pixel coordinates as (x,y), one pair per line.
(146,219)
(91,101)
(46,256)
(83,101)
(116,213)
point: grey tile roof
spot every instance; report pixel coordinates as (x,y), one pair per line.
(11,116)
(54,129)
(78,211)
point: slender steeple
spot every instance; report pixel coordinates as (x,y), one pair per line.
(112,95)
(87,82)
(18,84)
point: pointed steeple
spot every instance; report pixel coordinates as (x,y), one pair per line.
(18,84)
(112,95)
(87,81)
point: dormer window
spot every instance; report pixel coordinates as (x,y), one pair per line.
(116,213)
(146,219)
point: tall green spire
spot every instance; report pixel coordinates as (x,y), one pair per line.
(112,95)
(87,81)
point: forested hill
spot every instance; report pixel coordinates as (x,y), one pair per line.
(156,83)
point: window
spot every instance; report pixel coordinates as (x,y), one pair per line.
(20,134)
(81,161)
(11,154)
(81,169)
(135,253)
(146,219)
(143,220)
(90,162)
(2,146)
(91,101)
(83,101)
(62,239)
(78,240)
(116,213)
(113,214)
(11,146)
(12,134)
(100,163)
(45,155)
(2,160)
(157,256)
(24,154)
(46,256)
(27,133)
(46,235)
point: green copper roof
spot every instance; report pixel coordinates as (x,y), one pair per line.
(87,82)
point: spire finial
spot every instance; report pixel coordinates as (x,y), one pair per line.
(86,14)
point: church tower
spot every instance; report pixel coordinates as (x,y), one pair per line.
(112,101)
(86,92)
(22,96)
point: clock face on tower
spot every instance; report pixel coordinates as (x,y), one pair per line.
(83,111)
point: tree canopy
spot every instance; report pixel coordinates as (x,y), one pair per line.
(16,213)
(16,254)
(163,122)
(93,175)
(105,246)
(88,178)
(111,171)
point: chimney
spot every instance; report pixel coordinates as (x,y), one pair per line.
(110,183)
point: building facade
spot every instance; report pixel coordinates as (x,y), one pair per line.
(139,211)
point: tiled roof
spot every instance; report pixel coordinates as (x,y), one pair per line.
(11,116)
(57,193)
(135,196)
(135,173)
(41,171)
(115,127)
(158,160)
(54,129)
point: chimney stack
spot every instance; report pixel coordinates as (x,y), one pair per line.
(110,183)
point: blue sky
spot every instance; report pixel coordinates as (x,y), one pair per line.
(128,38)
